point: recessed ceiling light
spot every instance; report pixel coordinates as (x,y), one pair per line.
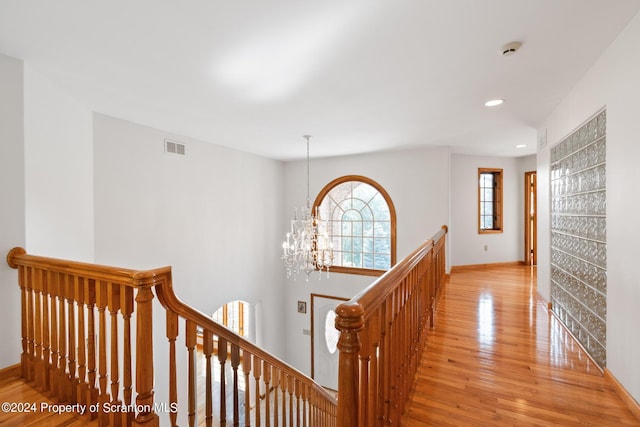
(494,102)
(521,145)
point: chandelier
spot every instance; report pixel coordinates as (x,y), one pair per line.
(307,247)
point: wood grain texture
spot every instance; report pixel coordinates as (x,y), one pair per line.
(498,357)
(17,390)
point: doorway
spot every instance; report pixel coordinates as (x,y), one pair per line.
(530,219)
(324,340)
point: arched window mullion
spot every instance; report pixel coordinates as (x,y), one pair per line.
(369,252)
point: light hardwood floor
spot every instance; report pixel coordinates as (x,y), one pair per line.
(498,357)
(36,413)
(495,358)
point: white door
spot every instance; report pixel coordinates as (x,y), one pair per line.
(324,360)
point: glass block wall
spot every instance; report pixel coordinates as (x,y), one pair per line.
(579,235)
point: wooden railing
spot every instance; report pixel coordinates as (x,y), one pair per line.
(77,341)
(76,335)
(382,334)
(77,347)
(274,393)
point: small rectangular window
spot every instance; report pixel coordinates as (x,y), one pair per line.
(489,200)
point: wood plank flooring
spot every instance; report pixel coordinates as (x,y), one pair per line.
(498,357)
(15,390)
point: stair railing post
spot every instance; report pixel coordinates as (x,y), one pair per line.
(146,415)
(349,321)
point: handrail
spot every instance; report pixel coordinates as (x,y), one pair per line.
(319,407)
(383,332)
(171,302)
(18,257)
(66,305)
(77,341)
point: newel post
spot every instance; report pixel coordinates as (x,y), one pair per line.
(349,321)
(146,415)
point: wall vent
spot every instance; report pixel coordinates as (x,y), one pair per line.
(174,147)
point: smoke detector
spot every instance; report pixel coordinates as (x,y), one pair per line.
(510,48)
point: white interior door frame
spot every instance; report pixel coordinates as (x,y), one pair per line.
(324,363)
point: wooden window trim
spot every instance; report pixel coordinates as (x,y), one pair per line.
(498,201)
(392,214)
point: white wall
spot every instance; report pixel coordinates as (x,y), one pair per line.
(614,82)
(417,182)
(523,164)
(209,214)
(212,215)
(467,245)
(12,224)
(59,171)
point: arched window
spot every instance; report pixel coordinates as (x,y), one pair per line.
(361,224)
(235,316)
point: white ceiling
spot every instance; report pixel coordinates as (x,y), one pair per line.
(358,75)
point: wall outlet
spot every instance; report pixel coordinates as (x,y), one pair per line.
(486,248)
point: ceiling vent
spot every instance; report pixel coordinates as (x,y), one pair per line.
(510,48)
(174,147)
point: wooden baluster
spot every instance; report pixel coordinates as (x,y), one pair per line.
(430,285)
(38,362)
(290,387)
(275,381)
(349,321)
(113,302)
(235,362)
(434,285)
(323,412)
(222,358)
(81,385)
(207,348)
(305,409)
(403,339)
(283,392)
(30,313)
(296,387)
(92,391)
(23,323)
(314,408)
(23,306)
(365,358)
(410,338)
(394,363)
(172,335)
(413,324)
(267,394)
(374,390)
(101,302)
(190,340)
(257,373)
(400,325)
(246,369)
(423,308)
(126,308)
(46,341)
(61,379)
(71,384)
(146,415)
(53,280)
(387,367)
